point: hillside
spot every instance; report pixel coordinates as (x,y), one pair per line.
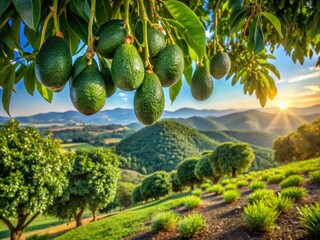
(202,124)
(162,146)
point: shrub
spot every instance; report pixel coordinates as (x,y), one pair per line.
(205,186)
(225,182)
(265,177)
(156,185)
(190,225)
(230,186)
(242,183)
(259,216)
(185,172)
(164,220)
(280,203)
(257,185)
(290,172)
(294,180)
(197,192)
(315,176)
(250,178)
(191,202)
(136,195)
(310,220)
(261,194)
(276,178)
(231,196)
(217,189)
(296,193)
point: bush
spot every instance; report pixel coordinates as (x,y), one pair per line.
(294,180)
(295,193)
(310,220)
(280,203)
(230,186)
(186,172)
(156,185)
(242,183)
(231,196)
(290,172)
(250,178)
(197,192)
(315,176)
(136,195)
(216,189)
(276,178)
(205,186)
(165,220)
(191,202)
(225,182)
(265,177)
(261,194)
(259,216)
(190,225)
(257,185)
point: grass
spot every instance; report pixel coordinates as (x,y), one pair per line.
(290,172)
(259,216)
(291,181)
(276,178)
(280,203)
(191,202)
(231,196)
(205,186)
(261,194)
(295,193)
(190,225)
(124,224)
(310,220)
(225,182)
(74,146)
(257,185)
(230,186)
(165,220)
(197,192)
(217,189)
(242,183)
(315,176)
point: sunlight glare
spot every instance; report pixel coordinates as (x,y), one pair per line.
(283,105)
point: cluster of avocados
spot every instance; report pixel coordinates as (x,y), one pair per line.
(122,66)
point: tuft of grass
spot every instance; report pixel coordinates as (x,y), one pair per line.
(217,189)
(231,196)
(310,220)
(197,192)
(260,194)
(294,180)
(250,178)
(225,182)
(280,203)
(265,177)
(165,220)
(290,172)
(191,202)
(295,193)
(276,178)
(315,176)
(190,225)
(230,186)
(205,186)
(257,185)
(242,183)
(259,216)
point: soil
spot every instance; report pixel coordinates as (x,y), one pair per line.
(225,221)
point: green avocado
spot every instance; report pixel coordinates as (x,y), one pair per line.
(127,68)
(156,40)
(169,65)
(80,64)
(88,91)
(110,36)
(149,100)
(106,74)
(54,63)
(220,65)
(201,83)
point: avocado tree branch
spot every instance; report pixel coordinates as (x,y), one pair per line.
(55,18)
(90,51)
(126,8)
(44,26)
(216,39)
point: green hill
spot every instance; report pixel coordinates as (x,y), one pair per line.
(202,124)
(162,146)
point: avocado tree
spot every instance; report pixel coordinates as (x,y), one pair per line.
(231,158)
(204,169)
(156,185)
(39,37)
(124,194)
(186,172)
(92,183)
(136,195)
(176,186)
(33,174)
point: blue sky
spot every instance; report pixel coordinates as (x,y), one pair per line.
(299,87)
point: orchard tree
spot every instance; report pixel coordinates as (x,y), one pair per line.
(232,158)
(124,194)
(176,186)
(92,183)
(33,174)
(136,195)
(186,172)
(225,39)
(156,185)
(204,169)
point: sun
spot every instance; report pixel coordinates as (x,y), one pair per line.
(283,106)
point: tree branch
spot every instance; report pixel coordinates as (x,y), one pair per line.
(30,220)
(8,223)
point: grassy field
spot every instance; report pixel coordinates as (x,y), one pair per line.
(74,146)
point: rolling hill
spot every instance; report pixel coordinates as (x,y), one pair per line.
(200,123)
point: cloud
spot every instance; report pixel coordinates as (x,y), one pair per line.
(313,68)
(121,94)
(304,77)
(125,99)
(313,88)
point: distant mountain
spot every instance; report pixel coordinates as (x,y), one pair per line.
(296,111)
(190,112)
(200,123)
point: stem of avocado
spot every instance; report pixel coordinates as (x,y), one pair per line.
(126,8)
(55,18)
(90,51)
(44,27)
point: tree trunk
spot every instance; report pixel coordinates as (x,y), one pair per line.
(78,218)
(192,187)
(16,235)
(234,173)
(94,216)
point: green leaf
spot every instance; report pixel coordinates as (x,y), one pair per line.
(44,92)
(20,73)
(8,76)
(70,37)
(235,4)
(78,26)
(175,90)
(29,10)
(273,69)
(274,21)
(82,8)
(251,43)
(256,37)
(103,11)
(30,80)
(4,4)
(191,23)
(187,72)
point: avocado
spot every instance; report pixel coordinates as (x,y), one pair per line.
(127,68)
(169,65)
(220,65)
(149,100)
(54,63)
(88,91)
(201,83)
(80,64)
(156,40)
(110,36)
(106,74)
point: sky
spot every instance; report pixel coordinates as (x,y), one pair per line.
(299,87)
